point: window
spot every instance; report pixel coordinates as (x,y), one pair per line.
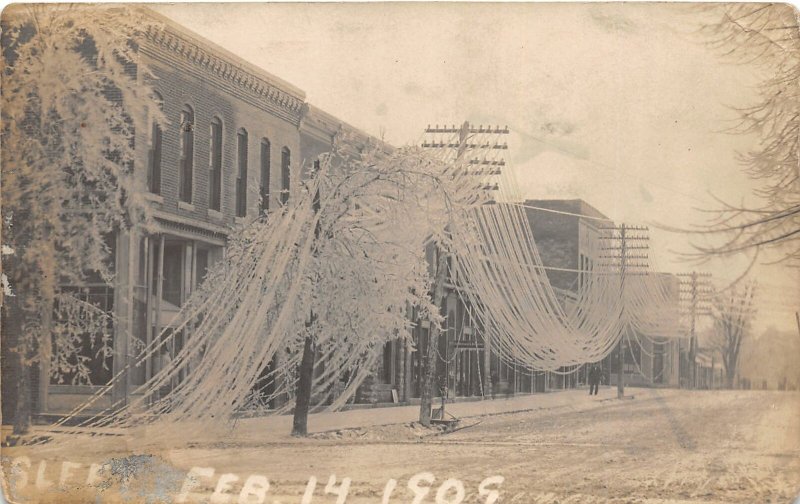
(174,274)
(286,160)
(265,168)
(241,175)
(187,154)
(388,362)
(582,272)
(316,202)
(504,370)
(89,359)
(633,357)
(154,154)
(215,173)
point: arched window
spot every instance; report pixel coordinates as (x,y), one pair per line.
(154,153)
(187,154)
(215,171)
(241,174)
(266,152)
(286,161)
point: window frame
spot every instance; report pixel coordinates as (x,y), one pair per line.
(266,174)
(187,150)
(286,174)
(215,160)
(155,150)
(242,141)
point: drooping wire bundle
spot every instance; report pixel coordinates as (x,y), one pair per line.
(343,262)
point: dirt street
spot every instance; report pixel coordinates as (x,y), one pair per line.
(660,447)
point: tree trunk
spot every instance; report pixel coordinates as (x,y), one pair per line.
(303,396)
(729,377)
(16,376)
(306,378)
(42,346)
(22,416)
(38,345)
(429,363)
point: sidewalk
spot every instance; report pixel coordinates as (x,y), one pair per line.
(574,400)
(271,429)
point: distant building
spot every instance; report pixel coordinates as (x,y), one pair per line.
(567,233)
(655,359)
(710,373)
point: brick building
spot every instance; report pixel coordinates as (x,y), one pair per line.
(238,141)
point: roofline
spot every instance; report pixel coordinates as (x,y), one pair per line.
(317,120)
(235,60)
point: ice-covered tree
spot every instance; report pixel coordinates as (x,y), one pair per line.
(767,37)
(366,271)
(71,104)
(379,212)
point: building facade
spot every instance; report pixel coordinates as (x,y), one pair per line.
(238,142)
(568,234)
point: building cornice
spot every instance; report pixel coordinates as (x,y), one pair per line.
(217,61)
(191,228)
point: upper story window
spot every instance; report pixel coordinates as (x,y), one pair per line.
(215,171)
(286,161)
(266,152)
(241,174)
(316,202)
(187,154)
(154,153)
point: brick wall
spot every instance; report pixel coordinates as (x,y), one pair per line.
(180,84)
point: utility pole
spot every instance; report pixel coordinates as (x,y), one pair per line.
(797,318)
(485,155)
(624,246)
(695,289)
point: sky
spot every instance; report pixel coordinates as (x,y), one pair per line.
(622,105)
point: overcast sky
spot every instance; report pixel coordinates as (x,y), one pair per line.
(621,105)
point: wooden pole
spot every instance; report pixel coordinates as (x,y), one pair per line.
(429,363)
(620,350)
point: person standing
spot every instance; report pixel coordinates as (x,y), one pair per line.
(495,383)
(594,380)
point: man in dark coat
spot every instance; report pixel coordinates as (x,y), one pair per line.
(594,380)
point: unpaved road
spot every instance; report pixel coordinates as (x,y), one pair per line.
(676,447)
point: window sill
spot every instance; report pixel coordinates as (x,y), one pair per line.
(186,206)
(214,214)
(155,198)
(240,221)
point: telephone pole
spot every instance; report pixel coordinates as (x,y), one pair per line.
(625,245)
(480,149)
(797,318)
(477,146)
(695,293)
